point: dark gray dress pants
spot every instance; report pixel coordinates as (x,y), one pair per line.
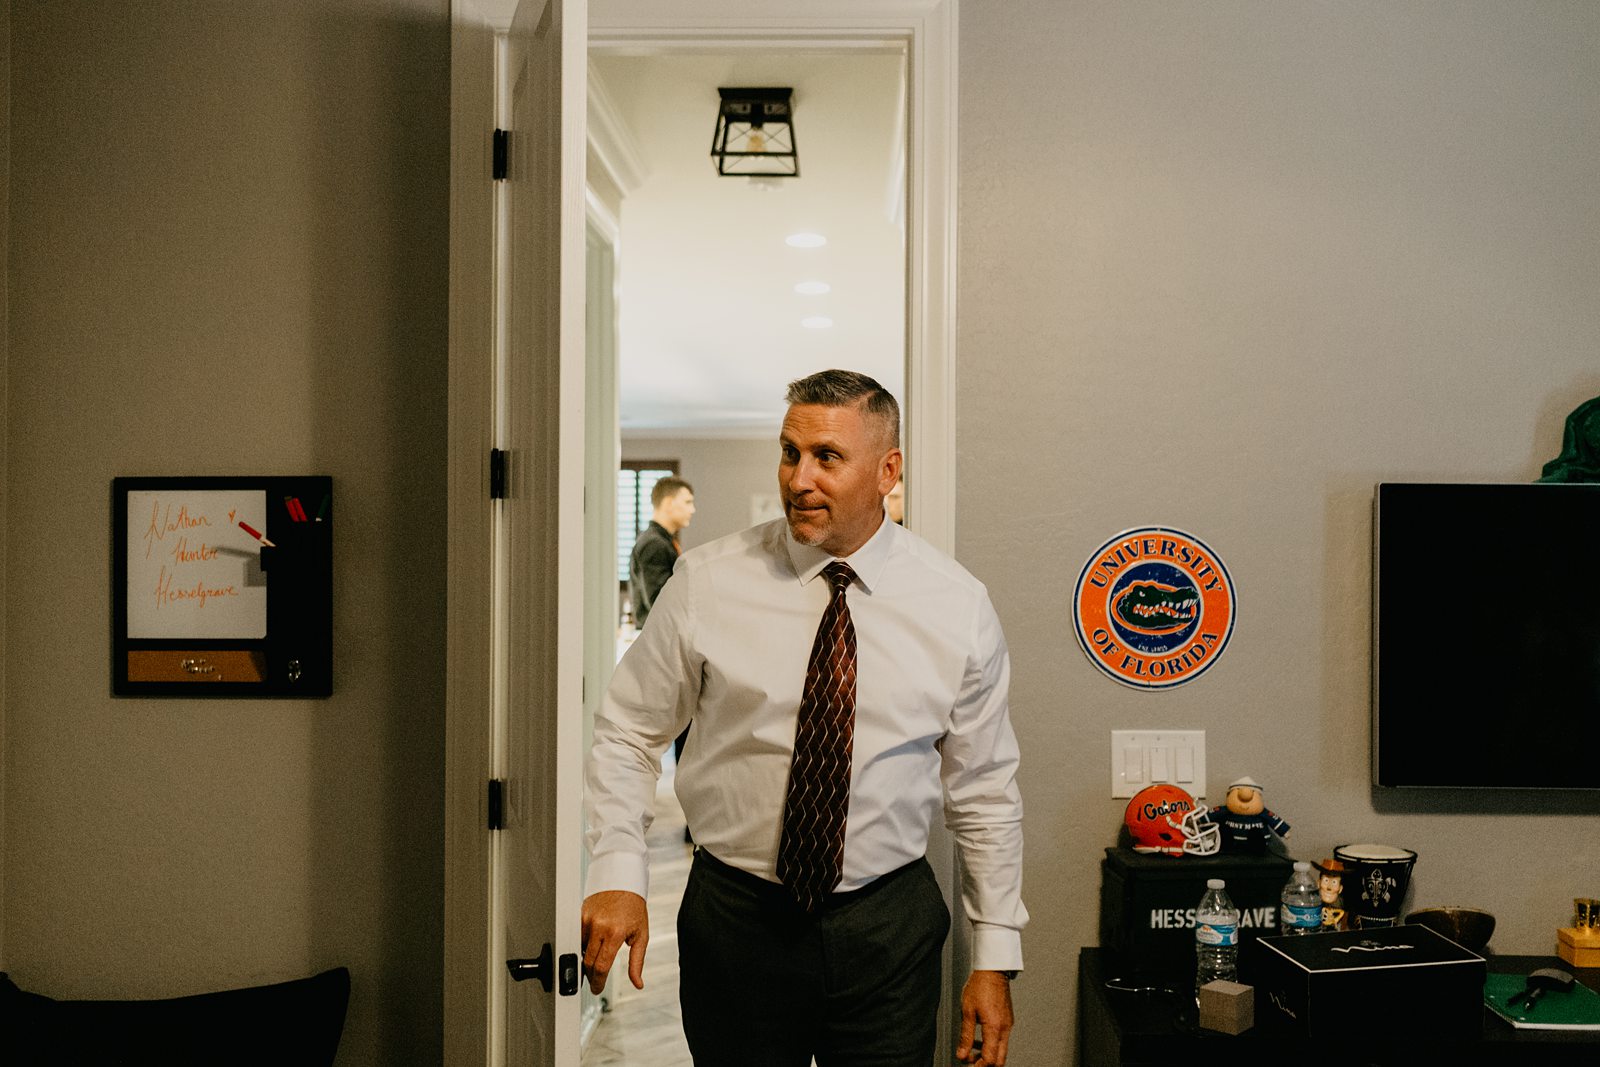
(763,984)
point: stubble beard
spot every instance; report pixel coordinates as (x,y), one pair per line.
(811,540)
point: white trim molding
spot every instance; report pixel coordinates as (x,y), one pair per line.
(612,140)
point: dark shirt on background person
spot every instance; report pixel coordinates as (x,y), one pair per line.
(657,549)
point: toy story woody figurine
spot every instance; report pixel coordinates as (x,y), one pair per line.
(1245,821)
(1330,886)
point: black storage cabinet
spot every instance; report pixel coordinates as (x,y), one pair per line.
(1147,904)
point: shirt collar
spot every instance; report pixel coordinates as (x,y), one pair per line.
(868,561)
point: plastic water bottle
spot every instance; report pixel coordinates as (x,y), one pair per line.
(1300,910)
(1216,936)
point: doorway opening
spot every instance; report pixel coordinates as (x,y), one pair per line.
(717,308)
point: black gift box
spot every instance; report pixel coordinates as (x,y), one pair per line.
(1385,983)
(1147,903)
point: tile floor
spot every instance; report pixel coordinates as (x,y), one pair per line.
(643,1027)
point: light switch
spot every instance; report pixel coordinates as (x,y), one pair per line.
(1141,757)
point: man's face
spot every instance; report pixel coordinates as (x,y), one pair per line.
(677,510)
(836,467)
(895,502)
(1330,886)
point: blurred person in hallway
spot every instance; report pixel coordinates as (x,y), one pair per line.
(657,549)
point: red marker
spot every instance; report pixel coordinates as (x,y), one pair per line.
(257,536)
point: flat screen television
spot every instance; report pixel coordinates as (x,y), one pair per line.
(1486,636)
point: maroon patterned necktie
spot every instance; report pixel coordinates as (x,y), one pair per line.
(811,855)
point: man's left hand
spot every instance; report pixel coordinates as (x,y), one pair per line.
(986,1003)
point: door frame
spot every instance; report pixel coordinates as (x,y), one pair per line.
(926,30)
(475,899)
(475,331)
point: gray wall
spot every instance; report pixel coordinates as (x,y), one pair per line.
(1259,257)
(724,473)
(228,256)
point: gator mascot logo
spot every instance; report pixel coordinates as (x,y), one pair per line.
(1154,607)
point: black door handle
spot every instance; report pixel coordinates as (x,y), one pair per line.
(538,967)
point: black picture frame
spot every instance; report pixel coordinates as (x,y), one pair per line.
(227,589)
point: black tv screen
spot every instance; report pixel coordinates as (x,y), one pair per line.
(1486,636)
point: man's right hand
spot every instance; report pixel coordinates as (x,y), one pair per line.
(612,919)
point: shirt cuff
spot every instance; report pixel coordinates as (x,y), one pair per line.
(617,871)
(996,948)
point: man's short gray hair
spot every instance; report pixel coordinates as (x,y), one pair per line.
(848,388)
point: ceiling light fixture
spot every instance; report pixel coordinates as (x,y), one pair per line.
(805,240)
(816,322)
(754,135)
(813,288)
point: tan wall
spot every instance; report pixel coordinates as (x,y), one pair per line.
(228,237)
(1256,258)
(1267,255)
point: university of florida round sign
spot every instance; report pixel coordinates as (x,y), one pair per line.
(1154,607)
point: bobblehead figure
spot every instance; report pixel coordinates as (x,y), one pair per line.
(1245,821)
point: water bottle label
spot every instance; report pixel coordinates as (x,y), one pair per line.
(1216,934)
(1295,916)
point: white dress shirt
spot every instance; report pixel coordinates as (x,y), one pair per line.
(727,645)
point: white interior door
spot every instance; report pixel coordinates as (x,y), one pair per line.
(543,528)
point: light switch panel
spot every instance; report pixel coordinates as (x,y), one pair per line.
(1144,757)
(1183,771)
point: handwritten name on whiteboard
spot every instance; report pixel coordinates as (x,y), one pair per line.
(192,569)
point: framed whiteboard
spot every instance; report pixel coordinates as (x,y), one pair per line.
(221,586)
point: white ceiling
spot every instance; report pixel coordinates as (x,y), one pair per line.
(710,329)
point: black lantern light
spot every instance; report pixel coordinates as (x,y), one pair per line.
(755,134)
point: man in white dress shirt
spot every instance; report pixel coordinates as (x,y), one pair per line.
(852,977)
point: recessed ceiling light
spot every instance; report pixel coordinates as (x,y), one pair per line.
(813,288)
(805,240)
(816,322)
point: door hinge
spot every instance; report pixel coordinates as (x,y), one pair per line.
(497,804)
(497,474)
(502,154)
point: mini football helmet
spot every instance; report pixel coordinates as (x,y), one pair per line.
(1163,818)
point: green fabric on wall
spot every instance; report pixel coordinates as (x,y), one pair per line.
(1580,447)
